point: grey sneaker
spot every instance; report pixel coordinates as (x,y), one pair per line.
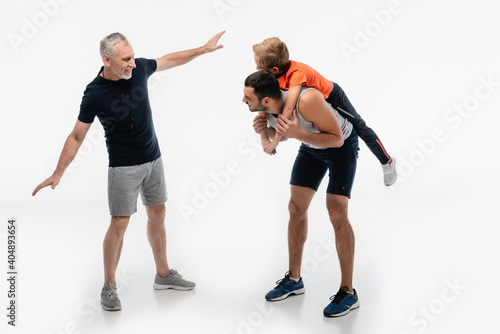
(109,298)
(172,281)
(390,173)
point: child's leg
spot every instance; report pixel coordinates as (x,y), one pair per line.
(341,103)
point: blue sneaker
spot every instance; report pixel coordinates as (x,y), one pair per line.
(341,303)
(285,288)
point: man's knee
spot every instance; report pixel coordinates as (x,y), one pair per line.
(156,213)
(119,224)
(300,199)
(337,207)
(296,208)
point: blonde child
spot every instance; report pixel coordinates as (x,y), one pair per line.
(272,55)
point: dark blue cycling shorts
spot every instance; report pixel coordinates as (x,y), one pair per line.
(311,165)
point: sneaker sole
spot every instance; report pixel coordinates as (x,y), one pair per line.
(114,308)
(354,306)
(174,287)
(295,292)
(391,183)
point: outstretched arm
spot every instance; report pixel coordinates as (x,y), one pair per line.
(182,57)
(71,146)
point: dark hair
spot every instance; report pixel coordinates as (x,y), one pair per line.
(265,85)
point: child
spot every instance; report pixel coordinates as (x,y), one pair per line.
(272,55)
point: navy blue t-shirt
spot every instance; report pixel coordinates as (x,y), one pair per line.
(125,113)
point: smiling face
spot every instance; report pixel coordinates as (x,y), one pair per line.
(251,99)
(121,63)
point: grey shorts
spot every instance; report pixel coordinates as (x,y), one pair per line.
(126,183)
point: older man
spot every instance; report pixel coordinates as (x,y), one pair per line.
(329,143)
(118,96)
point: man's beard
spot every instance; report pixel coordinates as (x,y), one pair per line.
(259,107)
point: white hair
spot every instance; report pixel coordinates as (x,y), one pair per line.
(108,43)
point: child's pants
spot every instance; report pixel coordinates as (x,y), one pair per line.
(341,103)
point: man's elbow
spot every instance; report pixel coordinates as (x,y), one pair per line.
(337,142)
(76,137)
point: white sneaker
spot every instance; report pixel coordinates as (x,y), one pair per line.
(390,174)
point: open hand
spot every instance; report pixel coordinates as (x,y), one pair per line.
(52,181)
(211,45)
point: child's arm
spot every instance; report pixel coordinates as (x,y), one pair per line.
(291,101)
(264,137)
(264,133)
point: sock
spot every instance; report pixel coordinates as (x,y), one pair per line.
(346,289)
(296,280)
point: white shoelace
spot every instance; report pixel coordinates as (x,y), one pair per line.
(112,291)
(175,273)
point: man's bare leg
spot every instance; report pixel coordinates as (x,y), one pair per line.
(344,236)
(297,226)
(158,238)
(112,246)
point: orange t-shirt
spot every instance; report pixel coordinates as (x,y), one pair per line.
(306,76)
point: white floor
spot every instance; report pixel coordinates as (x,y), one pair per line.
(418,269)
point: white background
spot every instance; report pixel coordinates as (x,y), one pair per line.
(411,71)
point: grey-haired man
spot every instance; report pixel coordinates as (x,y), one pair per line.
(118,96)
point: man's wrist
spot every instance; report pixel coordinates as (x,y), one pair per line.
(58,174)
(299,136)
(203,49)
